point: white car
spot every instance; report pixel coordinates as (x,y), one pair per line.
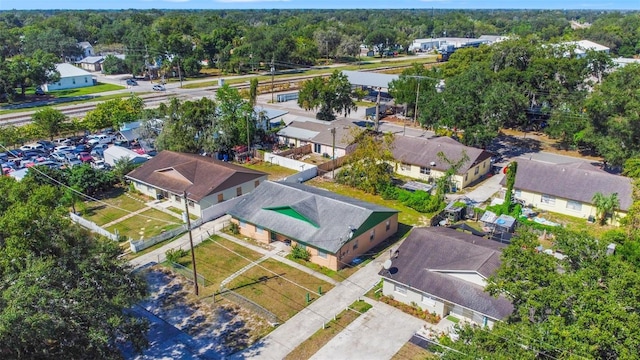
(32,147)
(99,164)
(158,88)
(63,148)
(100,139)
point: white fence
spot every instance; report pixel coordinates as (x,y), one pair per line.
(306,171)
(139,245)
(92,226)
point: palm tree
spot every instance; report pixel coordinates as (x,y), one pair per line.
(605,206)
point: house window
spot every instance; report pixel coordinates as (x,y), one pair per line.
(220,198)
(388,225)
(517,193)
(243,224)
(86,80)
(322,254)
(149,188)
(74,81)
(429,301)
(372,235)
(177,198)
(484,165)
(259,230)
(425,170)
(256,183)
(574,205)
(239,191)
(466,177)
(400,290)
(548,199)
(355,245)
(317,148)
(191,204)
(476,171)
(405,167)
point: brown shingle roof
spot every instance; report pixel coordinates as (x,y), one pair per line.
(422,152)
(574,181)
(428,254)
(198,175)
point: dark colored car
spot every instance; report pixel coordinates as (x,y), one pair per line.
(132,82)
(77,140)
(33,154)
(39,91)
(48,145)
(82,148)
(13,154)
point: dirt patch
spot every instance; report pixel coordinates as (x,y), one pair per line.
(219,328)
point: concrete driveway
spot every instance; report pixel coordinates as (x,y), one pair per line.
(377,334)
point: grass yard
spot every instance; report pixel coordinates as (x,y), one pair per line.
(278,288)
(411,351)
(577,224)
(147,224)
(71,102)
(275,172)
(217,258)
(332,328)
(100,87)
(407,215)
(118,206)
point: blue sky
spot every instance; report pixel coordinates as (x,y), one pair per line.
(315,4)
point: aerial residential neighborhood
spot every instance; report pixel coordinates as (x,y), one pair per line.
(255,183)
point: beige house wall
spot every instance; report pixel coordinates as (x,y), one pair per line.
(461,181)
(346,254)
(195,208)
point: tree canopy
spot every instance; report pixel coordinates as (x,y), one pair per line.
(328,96)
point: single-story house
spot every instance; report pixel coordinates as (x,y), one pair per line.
(92,63)
(418,158)
(87,48)
(114,153)
(445,271)
(206,181)
(582,46)
(71,77)
(568,188)
(320,134)
(334,229)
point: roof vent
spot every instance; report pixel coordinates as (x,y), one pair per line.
(433,163)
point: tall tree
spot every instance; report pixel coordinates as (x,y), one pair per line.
(113,113)
(367,167)
(50,121)
(329,95)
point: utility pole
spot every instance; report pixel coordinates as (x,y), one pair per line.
(415,112)
(179,73)
(248,139)
(273,72)
(377,124)
(333,156)
(193,254)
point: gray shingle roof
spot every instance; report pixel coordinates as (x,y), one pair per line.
(370,78)
(422,152)
(330,216)
(574,181)
(426,255)
(198,175)
(320,132)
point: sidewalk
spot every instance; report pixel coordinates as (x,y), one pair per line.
(292,333)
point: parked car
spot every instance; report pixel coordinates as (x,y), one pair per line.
(30,154)
(14,154)
(85,157)
(48,145)
(122,143)
(74,162)
(62,141)
(58,155)
(158,88)
(100,139)
(34,146)
(77,140)
(100,164)
(82,148)
(63,148)
(132,82)
(39,91)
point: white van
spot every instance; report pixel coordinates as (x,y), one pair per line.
(100,139)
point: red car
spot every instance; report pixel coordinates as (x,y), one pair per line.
(85,157)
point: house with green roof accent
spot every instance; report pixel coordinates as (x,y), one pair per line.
(334,229)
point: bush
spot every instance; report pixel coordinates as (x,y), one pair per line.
(174,255)
(298,252)
(234,228)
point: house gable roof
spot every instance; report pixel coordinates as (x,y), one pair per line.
(315,217)
(429,254)
(424,152)
(198,175)
(319,132)
(67,70)
(577,181)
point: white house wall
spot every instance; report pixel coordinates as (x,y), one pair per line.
(327,149)
(413,171)
(71,82)
(559,205)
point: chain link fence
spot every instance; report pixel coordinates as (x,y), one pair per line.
(250,305)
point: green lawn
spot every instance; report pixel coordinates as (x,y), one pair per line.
(112,206)
(73,102)
(147,224)
(275,172)
(98,88)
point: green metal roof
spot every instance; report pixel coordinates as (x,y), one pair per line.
(291,212)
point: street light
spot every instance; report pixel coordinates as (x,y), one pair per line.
(193,254)
(273,72)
